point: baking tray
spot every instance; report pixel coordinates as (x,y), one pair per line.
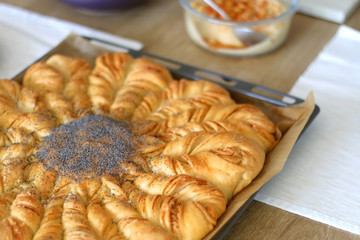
(237,87)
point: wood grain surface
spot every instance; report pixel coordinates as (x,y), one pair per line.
(159,25)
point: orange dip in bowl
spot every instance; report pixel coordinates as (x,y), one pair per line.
(242,10)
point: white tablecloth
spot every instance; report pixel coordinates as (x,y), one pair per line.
(26,36)
(331,10)
(321,179)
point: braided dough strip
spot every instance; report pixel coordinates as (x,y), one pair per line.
(101,222)
(184,188)
(13,136)
(264,139)
(50,82)
(13,228)
(76,195)
(143,77)
(62,83)
(178,97)
(170,203)
(43,78)
(118,83)
(15,102)
(25,215)
(15,151)
(13,161)
(31,123)
(9,93)
(74,219)
(13,97)
(43,180)
(244,119)
(51,226)
(6,199)
(106,78)
(27,208)
(75,72)
(201,154)
(12,172)
(130,222)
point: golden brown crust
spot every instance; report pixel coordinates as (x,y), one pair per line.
(169,203)
(244,119)
(201,154)
(118,83)
(130,222)
(51,226)
(76,73)
(13,136)
(32,123)
(43,78)
(107,77)
(60,107)
(6,200)
(102,223)
(42,180)
(13,228)
(27,208)
(185,188)
(178,97)
(9,92)
(61,83)
(194,150)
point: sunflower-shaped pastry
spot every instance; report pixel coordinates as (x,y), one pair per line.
(121,150)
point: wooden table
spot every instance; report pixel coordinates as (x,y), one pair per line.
(159,25)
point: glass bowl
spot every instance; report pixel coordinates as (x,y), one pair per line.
(218,36)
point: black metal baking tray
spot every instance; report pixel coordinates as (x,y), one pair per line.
(249,91)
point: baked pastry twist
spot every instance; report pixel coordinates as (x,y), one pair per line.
(118,83)
(121,150)
(245,119)
(178,97)
(62,83)
(200,154)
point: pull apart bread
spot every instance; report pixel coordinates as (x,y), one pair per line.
(121,150)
